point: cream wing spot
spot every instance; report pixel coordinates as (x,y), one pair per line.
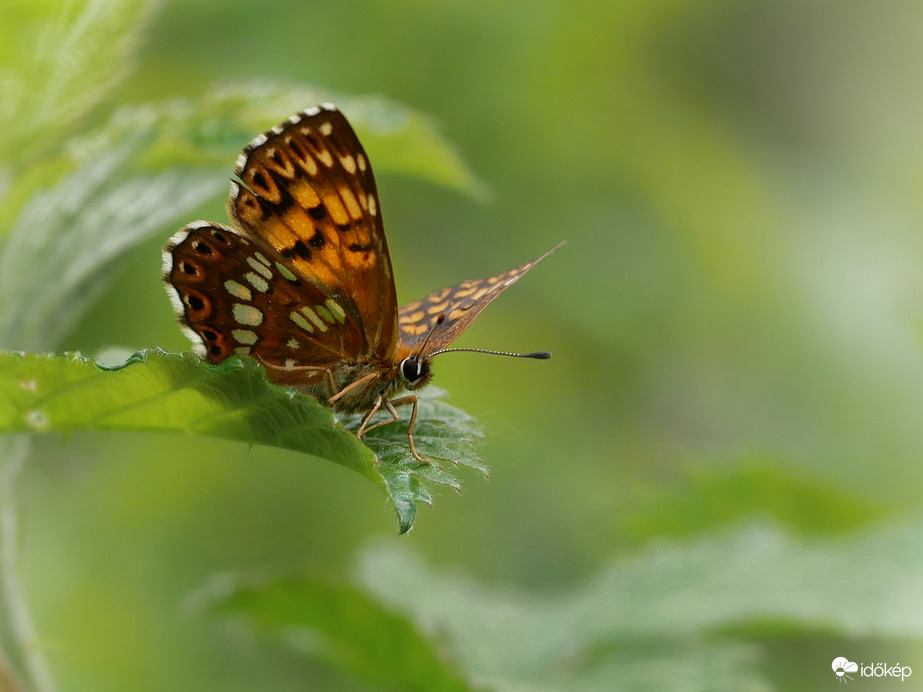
(348,163)
(247,315)
(237,290)
(258,282)
(244,336)
(336,310)
(299,319)
(326,129)
(293,344)
(311,315)
(325,157)
(363,164)
(373,205)
(259,267)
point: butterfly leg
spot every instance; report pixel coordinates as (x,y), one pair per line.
(325,373)
(390,407)
(361,382)
(403,401)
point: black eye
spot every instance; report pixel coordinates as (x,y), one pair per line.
(411,368)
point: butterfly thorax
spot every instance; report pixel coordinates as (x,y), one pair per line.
(358,387)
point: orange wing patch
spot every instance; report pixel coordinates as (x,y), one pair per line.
(307,189)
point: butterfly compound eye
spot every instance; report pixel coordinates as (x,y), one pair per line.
(412,368)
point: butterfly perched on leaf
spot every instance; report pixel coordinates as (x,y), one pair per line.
(302,282)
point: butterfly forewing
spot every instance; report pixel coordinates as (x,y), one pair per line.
(235,296)
(460,304)
(306,188)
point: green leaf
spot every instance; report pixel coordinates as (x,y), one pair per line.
(337,623)
(70,60)
(647,622)
(156,391)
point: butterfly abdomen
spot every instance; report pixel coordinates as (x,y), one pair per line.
(357,387)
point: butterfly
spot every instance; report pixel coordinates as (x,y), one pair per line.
(303,283)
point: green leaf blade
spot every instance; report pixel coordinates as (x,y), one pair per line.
(160,392)
(335,622)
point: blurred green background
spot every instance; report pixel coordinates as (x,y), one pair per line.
(736,329)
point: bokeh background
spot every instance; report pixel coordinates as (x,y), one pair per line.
(735,321)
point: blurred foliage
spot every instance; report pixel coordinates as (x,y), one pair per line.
(648,623)
(727,437)
(334,620)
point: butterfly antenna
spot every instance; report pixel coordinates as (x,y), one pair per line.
(538,355)
(439,321)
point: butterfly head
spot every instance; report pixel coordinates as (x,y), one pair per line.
(414,369)
(415,372)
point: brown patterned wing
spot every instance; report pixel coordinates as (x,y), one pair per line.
(235,295)
(306,190)
(460,305)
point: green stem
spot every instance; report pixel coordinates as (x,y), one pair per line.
(25,638)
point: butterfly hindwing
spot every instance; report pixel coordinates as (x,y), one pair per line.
(264,310)
(307,189)
(459,304)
